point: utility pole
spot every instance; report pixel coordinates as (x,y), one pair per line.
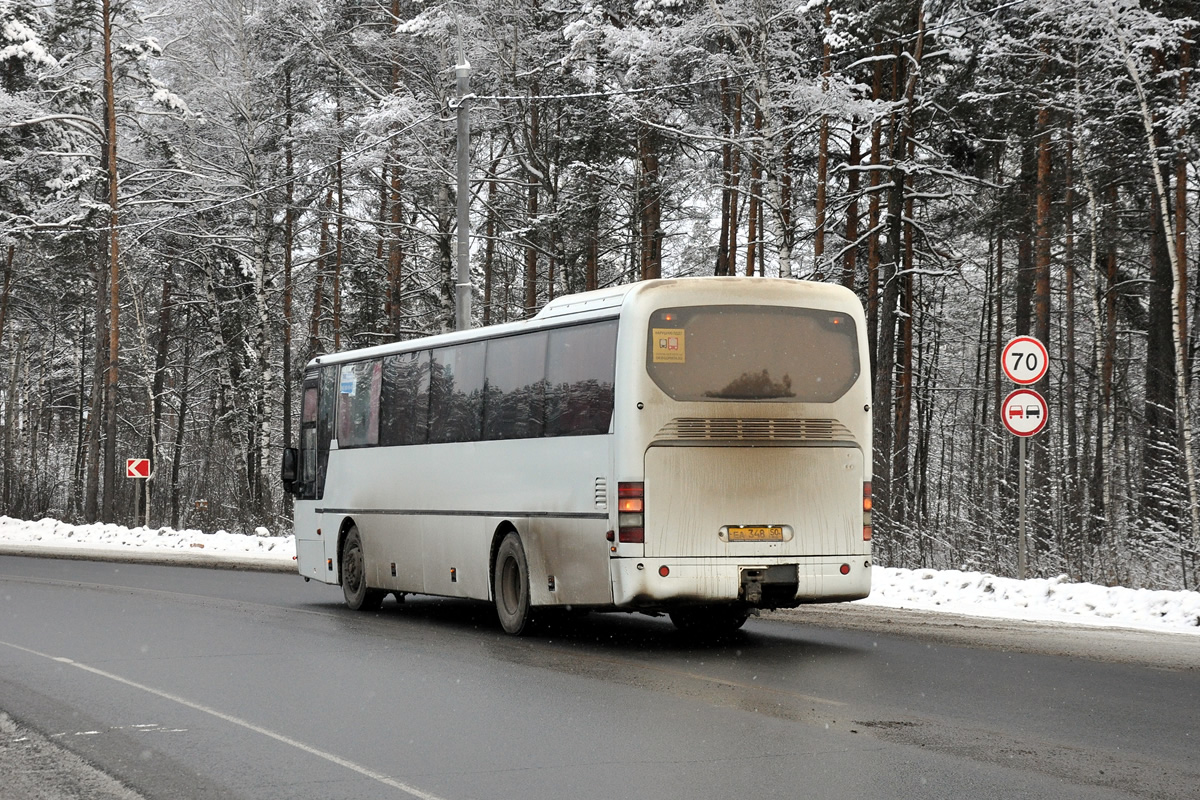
(462,288)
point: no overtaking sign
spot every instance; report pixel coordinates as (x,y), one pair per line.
(1023,412)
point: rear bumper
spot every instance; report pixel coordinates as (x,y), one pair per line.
(637,582)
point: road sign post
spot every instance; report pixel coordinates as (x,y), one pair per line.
(1024,412)
(139,468)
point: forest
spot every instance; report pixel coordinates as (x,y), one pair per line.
(197,197)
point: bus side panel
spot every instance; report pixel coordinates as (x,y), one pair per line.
(574,552)
(456,555)
(392,539)
(310,547)
(435,508)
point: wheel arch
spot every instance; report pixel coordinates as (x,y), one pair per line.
(343,529)
(503,529)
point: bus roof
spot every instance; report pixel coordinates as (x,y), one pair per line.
(597,304)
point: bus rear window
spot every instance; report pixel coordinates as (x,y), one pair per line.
(744,353)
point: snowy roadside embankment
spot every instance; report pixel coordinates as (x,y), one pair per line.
(1041,599)
(973,593)
(49,537)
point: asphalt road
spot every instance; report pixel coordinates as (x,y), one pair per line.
(167,682)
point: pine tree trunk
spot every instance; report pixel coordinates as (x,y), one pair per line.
(289,237)
(850,263)
(754,232)
(395,288)
(315,348)
(819,265)
(91,501)
(108,506)
(1039,448)
(4,292)
(735,179)
(650,203)
(180,423)
(1073,485)
(902,461)
(159,384)
(533,137)
(338,232)
(489,244)
(722,266)
(873,207)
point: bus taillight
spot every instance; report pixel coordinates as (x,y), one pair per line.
(631,513)
(866,511)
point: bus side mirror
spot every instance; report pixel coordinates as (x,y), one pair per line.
(287,469)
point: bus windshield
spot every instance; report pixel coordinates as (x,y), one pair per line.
(752,353)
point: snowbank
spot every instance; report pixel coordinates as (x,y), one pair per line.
(50,537)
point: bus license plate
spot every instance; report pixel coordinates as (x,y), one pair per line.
(756,533)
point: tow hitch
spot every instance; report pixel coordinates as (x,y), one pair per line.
(770,587)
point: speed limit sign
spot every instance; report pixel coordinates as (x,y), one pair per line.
(1025,360)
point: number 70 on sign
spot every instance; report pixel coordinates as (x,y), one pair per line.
(1025,360)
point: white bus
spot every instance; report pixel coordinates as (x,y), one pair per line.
(699,447)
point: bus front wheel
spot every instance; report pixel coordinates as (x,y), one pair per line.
(511,586)
(359,596)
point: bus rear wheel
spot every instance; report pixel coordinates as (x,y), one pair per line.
(709,620)
(511,586)
(359,596)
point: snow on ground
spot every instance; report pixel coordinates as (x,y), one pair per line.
(974,593)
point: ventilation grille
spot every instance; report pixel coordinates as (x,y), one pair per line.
(755,430)
(601,494)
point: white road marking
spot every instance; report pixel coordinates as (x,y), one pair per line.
(250,726)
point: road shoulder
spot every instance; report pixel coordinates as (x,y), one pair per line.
(1160,650)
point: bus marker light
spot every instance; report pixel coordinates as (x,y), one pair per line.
(453,575)
(845,569)
(664,570)
(611,536)
(329,564)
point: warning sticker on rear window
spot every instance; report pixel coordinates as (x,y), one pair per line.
(667,345)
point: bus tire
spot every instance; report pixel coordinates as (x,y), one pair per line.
(511,586)
(359,596)
(709,620)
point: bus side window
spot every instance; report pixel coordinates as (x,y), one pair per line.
(404,399)
(456,393)
(326,404)
(308,439)
(580,366)
(516,386)
(358,404)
